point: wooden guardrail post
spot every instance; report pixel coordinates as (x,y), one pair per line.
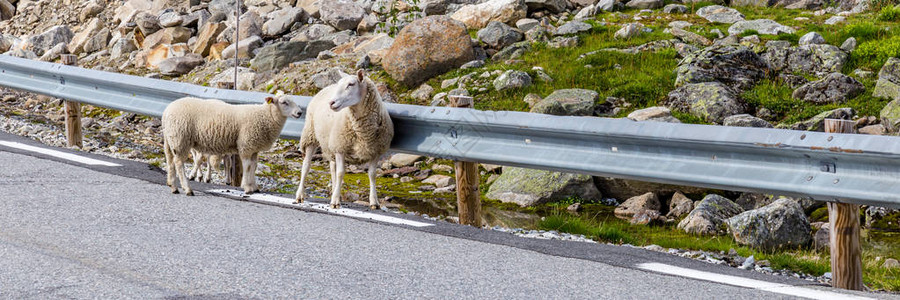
(846,261)
(73,111)
(468,201)
(234,170)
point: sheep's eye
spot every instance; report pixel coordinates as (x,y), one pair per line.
(351,84)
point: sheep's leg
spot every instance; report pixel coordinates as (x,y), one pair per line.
(180,159)
(170,167)
(198,159)
(338,180)
(373,195)
(208,174)
(307,158)
(253,166)
(247,162)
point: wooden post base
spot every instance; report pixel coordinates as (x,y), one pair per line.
(468,201)
(846,254)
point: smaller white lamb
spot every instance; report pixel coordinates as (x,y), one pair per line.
(348,121)
(210,161)
(216,127)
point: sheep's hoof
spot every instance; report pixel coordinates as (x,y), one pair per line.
(298,201)
(189,193)
(374,207)
(335,206)
(174,191)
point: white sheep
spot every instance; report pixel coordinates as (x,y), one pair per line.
(349,123)
(210,161)
(216,127)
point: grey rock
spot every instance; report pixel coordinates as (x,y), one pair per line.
(656,113)
(122,47)
(177,66)
(472,64)
(712,101)
(498,35)
(314,32)
(791,80)
(890,115)
(644,4)
(675,9)
(636,204)
(736,66)
(246,47)
(762,26)
(573,27)
(745,120)
(342,14)
(690,37)
(680,24)
(816,59)
(423,93)
(568,102)
(833,20)
(280,21)
(328,77)
(170,19)
(811,38)
(528,187)
(888,84)
(708,217)
(817,123)
(780,225)
(849,44)
(554,6)
(720,14)
(524,25)
(512,79)
(822,238)
(49,38)
(278,55)
(882,218)
(608,5)
(147,23)
(679,206)
(629,31)
(834,88)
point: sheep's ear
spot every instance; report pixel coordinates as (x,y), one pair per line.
(360,74)
(270,100)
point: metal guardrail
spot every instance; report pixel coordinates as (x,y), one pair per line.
(861,169)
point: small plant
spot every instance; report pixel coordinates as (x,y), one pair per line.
(395,19)
(878,51)
(889,13)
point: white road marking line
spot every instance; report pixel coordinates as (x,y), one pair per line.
(746,282)
(320,207)
(59,154)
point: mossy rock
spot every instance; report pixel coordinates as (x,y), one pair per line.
(530,187)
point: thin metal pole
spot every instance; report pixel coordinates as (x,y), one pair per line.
(237,38)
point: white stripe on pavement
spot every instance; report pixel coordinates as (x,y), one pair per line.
(59,154)
(320,207)
(779,288)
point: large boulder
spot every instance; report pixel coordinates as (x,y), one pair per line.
(761,26)
(477,16)
(736,66)
(834,88)
(428,47)
(888,84)
(712,101)
(890,114)
(720,14)
(708,217)
(636,204)
(679,205)
(49,38)
(815,59)
(568,102)
(529,187)
(780,225)
(278,55)
(342,14)
(499,35)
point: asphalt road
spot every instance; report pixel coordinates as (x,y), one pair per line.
(70,230)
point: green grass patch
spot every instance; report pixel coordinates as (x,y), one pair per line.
(776,97)
(889,14)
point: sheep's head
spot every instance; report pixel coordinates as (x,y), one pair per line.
(350,91)
(287,106)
